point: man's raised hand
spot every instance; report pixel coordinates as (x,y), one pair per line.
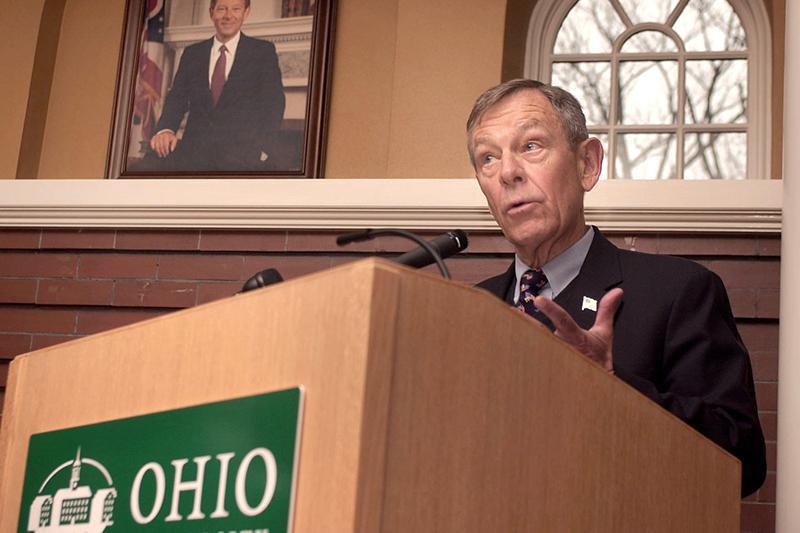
(595,343)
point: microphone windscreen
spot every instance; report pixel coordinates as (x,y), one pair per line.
(445,245)
(262,279)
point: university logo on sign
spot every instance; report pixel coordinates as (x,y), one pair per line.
(224,466)
(76,507)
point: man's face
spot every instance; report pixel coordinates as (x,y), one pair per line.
(532,178)
(228,16)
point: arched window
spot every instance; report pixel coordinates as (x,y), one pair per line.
(675,89)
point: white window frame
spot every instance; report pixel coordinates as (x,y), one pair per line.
(548,15)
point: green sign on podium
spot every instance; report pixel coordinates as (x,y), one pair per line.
(224,466)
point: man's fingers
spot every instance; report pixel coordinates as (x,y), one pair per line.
(607,308)
(164,143)
(158,145)
(566,328)
(594,343)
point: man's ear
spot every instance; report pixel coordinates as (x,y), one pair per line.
(590,162)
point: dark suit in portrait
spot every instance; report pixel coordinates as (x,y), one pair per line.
(238,133)
(675,340)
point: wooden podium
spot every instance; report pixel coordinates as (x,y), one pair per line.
(429,407)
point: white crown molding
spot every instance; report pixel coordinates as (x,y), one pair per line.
(752,206)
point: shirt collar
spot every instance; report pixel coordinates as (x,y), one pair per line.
(560,270)
(231,45)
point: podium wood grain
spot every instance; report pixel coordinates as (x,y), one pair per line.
(430,407)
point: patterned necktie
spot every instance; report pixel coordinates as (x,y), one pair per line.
(530,285)
(218,76)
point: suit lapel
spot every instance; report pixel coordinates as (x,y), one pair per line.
(502,285)
(202,72)
(237,70)
(600,273)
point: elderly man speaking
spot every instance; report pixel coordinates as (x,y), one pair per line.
(662,324)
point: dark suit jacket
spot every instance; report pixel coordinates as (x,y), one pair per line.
(675,340)
(232,135)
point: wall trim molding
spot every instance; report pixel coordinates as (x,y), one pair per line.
(750,206)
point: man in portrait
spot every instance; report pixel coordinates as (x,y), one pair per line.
(662,324)
(228,89)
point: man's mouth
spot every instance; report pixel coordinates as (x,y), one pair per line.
(517,207)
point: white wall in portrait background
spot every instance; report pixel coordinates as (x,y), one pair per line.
(194,12)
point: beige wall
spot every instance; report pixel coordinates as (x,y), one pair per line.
(777,20)
(75,140)
(20,20)
(405,75)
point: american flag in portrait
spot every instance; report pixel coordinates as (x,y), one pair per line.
(148,97)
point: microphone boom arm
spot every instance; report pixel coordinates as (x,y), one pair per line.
(372,233)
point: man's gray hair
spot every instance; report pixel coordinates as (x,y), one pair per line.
(569,110)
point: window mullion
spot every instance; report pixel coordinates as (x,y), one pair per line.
(676,12)
(580,58)
(623,15)
(680,145)
(672,128)
(612,137)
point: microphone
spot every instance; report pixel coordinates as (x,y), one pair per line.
(266,277)
(429,252)
(356,236)
(445,245)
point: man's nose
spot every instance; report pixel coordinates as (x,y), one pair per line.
(510,169)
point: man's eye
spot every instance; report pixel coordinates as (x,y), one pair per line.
(530,145)
(488,158)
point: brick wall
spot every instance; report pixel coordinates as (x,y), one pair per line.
(57,285)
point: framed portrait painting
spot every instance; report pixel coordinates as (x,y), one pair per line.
(222,89)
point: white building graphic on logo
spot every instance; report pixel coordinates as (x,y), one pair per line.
(75,508)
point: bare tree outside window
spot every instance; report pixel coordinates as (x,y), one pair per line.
(664,84)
